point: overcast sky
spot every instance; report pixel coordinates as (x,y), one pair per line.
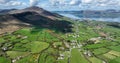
(62,4)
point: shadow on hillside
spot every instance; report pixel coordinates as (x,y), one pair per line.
(114,24)
(44,22)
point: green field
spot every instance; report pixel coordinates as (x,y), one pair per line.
(4,60)
(77,57)
(37,47)
(115,48)
(15,54)
(100,51)
(116,60)
(95,60)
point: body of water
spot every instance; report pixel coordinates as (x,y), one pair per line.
(97,19)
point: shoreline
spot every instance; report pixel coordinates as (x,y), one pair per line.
(91,19)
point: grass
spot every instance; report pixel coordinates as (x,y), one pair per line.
(112,54)
(15,54)
(95,46)
(95,60)
(109,56)
(25,31)
(100,51)
(29,59)
(50,59)
(19,47)
(37,47)
(46,58)
(77,57)
(116,60)
(2,40)
(42,57)
(4,60)
(115,48)
(116,53)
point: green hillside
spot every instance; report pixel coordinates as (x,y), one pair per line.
(89,42)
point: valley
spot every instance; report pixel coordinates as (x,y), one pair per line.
(58,39)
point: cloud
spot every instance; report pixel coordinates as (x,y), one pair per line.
(64,2)
(5,1)
(34,2)
(75,2)
(100,3)
(87,1)
(79,4)
(54,2)
(57,2)
(11,4)
(15,3)
(90,3)
(103,1)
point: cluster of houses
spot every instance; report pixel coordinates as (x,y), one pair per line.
(94,40)
(18,58)
(61,56)
(88,53)
(70,44)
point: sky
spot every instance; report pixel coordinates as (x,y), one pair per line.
(57,5)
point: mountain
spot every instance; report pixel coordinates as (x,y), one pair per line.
(32,16)
(38,10)
(5,11)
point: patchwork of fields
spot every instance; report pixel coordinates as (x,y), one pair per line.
(90,42)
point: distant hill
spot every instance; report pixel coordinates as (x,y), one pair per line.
(6,11)
(33,16)
(110,13)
